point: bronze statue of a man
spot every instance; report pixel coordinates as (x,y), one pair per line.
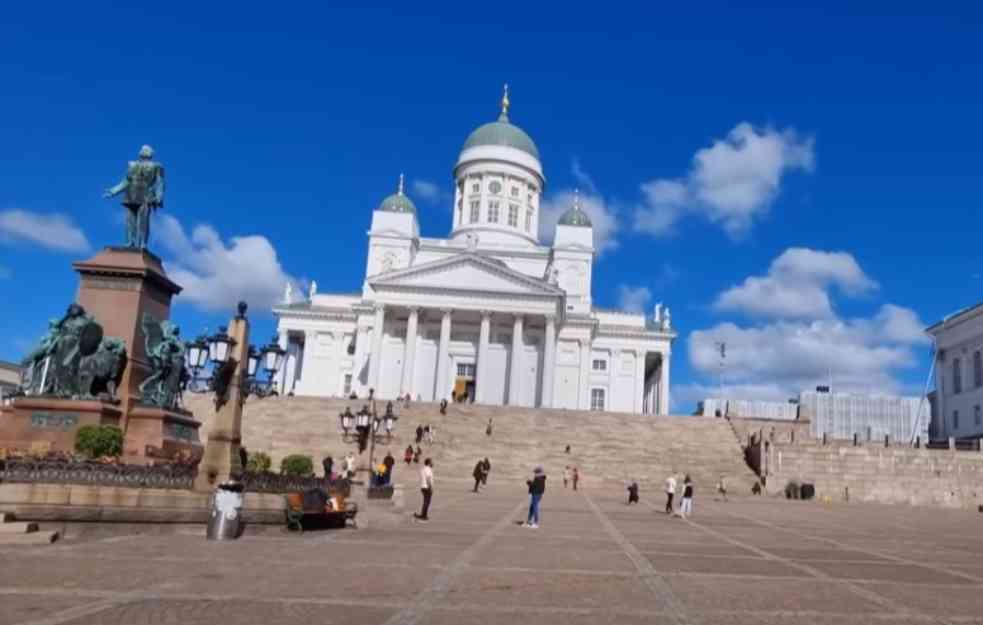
(143,190)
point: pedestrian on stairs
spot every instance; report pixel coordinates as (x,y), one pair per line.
(408,454)
(426,489)
(566,475)
(419,434)
(478,474)
(537,486)
(486,469)
(633,493)
(670,492)
(488,430)
(686,506)
(350,466)
(722,488)
(431,431)
(443,406)
(576,477)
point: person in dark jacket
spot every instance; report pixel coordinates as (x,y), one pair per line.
(537,486)
(478,474)
(389,462)
(633,493)
(243,458)
(408,454)
(487,469)
(328,464)
(419,434)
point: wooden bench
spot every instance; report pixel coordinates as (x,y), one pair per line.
(298,517)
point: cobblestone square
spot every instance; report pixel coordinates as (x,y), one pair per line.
(593,561)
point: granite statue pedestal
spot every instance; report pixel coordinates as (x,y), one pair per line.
(116,286)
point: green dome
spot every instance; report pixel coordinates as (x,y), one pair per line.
(502,132)
(398,203)
(575,217)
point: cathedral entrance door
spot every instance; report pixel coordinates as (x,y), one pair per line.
(464,382)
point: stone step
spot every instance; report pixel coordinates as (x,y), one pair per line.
(18,528)
(34,538)
(6,517)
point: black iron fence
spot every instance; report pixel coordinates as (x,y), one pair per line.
(171,476)
(25,470)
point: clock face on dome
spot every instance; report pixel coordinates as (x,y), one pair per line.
(495,187)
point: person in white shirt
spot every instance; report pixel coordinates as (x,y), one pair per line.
(350,465)
(670,492)
(426,487)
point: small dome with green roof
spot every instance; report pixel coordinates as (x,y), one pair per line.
(398,202)
(575,216)
(502,132)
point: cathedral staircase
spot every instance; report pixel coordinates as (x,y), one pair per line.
(608,448)
(14,533)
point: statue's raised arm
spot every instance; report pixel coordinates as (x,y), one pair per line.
(143,192)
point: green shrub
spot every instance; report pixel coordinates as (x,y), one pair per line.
(97,441)
(258,462)
(297,464)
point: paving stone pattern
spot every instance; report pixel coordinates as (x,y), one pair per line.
(594,560)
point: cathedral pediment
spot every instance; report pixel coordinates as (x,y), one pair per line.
(467,272)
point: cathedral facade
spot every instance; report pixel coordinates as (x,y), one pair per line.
(487,314)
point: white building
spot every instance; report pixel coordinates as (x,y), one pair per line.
(958,399)
(488,312)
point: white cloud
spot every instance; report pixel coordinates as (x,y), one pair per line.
(804,341)
(429,191)
(603,217)
(730,183)
(797,286)
(53,231)
(216,275)
(633,299)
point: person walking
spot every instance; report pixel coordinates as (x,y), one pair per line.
(576,477)
(722,488)
(389,462)
(686,505)
(537,486)
(486,469)
(670,492)
(478,474)
(408,454)
(426,488)
(328,464)
(567,475)
(488,430)
(419,434)
(633,493)
(430,431)
(417,454)
(350,466)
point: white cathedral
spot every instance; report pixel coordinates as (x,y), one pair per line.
(487,314)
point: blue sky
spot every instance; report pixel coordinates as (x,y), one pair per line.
(801,183)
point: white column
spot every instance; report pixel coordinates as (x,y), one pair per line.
(304,364)
(482,368)
(584,401)
(515,366)
(375,357)
(363,345)
(409,356)
(664,384)
(639,381)
(549,361)
(283,340)
(443,358)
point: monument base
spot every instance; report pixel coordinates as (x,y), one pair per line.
(154,434)
(41,424)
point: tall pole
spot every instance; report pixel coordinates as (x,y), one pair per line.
(375,419)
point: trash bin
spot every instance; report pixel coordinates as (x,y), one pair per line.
(225,514)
